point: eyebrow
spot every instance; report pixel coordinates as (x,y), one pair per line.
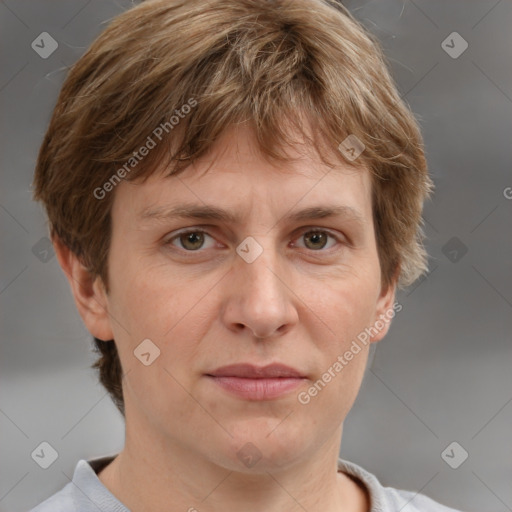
(210,212)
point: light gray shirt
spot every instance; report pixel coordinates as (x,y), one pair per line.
(86,492)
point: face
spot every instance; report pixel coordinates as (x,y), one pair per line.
(282,294)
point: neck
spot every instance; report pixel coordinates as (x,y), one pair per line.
(165,476)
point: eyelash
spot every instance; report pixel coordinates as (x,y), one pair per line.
(168,242)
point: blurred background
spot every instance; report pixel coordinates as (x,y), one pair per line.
(434,414)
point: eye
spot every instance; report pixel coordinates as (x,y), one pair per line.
(317,239)
(194,240)
(191,241)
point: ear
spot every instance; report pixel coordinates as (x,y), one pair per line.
(88,292)
(385,310)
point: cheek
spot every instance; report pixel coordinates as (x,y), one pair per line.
(330,398)
(342,312)
(171,313)
(343,308)
(145,298)
(166,307)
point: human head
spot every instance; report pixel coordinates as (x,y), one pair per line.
(285,66)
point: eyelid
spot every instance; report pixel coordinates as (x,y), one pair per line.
(340,238)
(185,231)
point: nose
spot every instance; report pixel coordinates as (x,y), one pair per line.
(259,297)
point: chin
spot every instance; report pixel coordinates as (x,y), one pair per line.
(259,445)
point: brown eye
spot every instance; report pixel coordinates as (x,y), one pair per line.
(317,239)
(190,241)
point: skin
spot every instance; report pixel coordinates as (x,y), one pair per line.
(301,302)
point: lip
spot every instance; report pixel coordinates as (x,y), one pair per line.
(250,371)
(252,382)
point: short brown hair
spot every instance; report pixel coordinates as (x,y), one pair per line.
(231,61)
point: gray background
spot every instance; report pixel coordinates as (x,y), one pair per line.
(443,372)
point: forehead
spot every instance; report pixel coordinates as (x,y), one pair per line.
(235,179)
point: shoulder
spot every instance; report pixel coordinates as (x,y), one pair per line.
(85,492)
(61,501)
(389,499)
(409,501)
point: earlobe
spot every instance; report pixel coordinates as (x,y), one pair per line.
(88,292)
